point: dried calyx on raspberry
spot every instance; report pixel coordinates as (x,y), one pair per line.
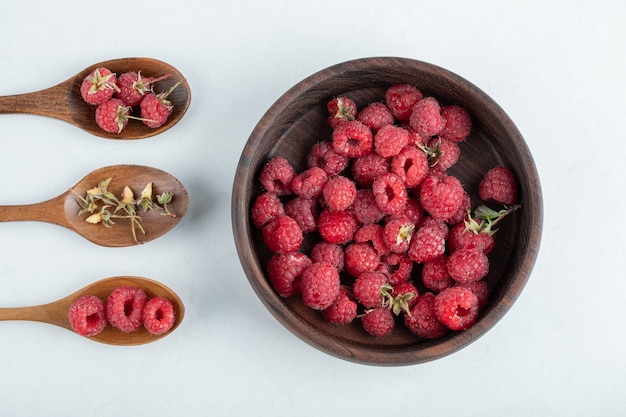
(487,218)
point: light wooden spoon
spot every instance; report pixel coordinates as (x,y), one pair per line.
(63,210)
(57,312)
(64,101)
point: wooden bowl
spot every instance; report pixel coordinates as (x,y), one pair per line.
(297,120)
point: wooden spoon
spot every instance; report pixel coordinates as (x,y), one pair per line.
(64,101)
(57,312)
(63,210)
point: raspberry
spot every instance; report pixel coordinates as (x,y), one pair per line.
(309,183)
(366,168)
(469,234)
(390,193)
(401,98)
(133,87)
(442,153)
(337,226)
(365,208)
(458,123)
(500,185)
(265,208)
(124,308)
(375,116)
(284,271)
(112,116)
(422,320)
(158,315)
(397,234)
(87,315)
(320,285)
(390,140)
(328,252)
(411,165)
(468,265)
(339,192)
(282,234)
(368,288)
(456,307)
(276,176)
(397,267)
(99,86)
(401,297)
(155,109)
(441,195)
(435,274)
(323,155)
(461,212)
(340,109)
(378,322)
(412,210)
(426,118)
(342,310)
(360,258)
(304,211)
(372,233)
(429,241)
(352,139)
(481,289)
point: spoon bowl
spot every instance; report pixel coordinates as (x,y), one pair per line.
(56,313)
(64,101)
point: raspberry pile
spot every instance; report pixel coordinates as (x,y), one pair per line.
(394,237)
(117,97)
(126,309)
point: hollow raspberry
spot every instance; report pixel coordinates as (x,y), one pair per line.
(320,285)
(400,297)
(441,195)
(112,116)
(365,208)
(378,322)
(155,109)
(87,315)
(411,165)
(397,234)
(284,271)
(133,87)
(359,258)
(397,266)
(499,184)
(372,233)
(328,252)
(309,183)
(468,265)
(304,211)
(435,274)
(458,123)
(124,308)
(99,86)
(366,168)
(390,140)
(375,116)
(265,208)
(158,315)
(368,288)
(337,226)
(323,155)
(456,307)
(339,192)
(352,139)
(400,98)
(426,118)
(342,311)
(276,176)
(390,193)
(282,234)
(340,109)
(422,320)
(428,241)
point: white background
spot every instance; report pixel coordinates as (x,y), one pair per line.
(557,68)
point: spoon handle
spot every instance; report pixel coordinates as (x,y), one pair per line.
(45,313)
(50,211)
(50,102)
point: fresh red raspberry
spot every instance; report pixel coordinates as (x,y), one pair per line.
(133,87)
(397,266)
(368,288)
(400,98)
(415,138)
(342,311)
(435,274)
(412,210)
(337,226)
(378,322)
(426,118)
(441,195)
(458,123)
(456,307)
(372,233)
(304,211)
(158,315)
(155,109)
(99,86)
(284,271)
(340,109)
(390,140)
(469,234)
(282,234)
(339,192)
(265,208)
(375,116)
(124,308)
(397,234)
(442,154)
(365,208)
(461,213)
(411,165)
(401,297)
(366,168)
(500,185)
(481,289)
(352,139)
(323,155)
(320,285)
(428,241)
(390,193)
(112,116)
(309,183)
(328,252)
(360,258)
(422,321)
(87,315)
(276,176)
(468,265)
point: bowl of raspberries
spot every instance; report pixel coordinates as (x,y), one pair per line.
(387,211)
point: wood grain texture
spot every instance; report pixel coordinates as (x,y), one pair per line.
(297,120)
